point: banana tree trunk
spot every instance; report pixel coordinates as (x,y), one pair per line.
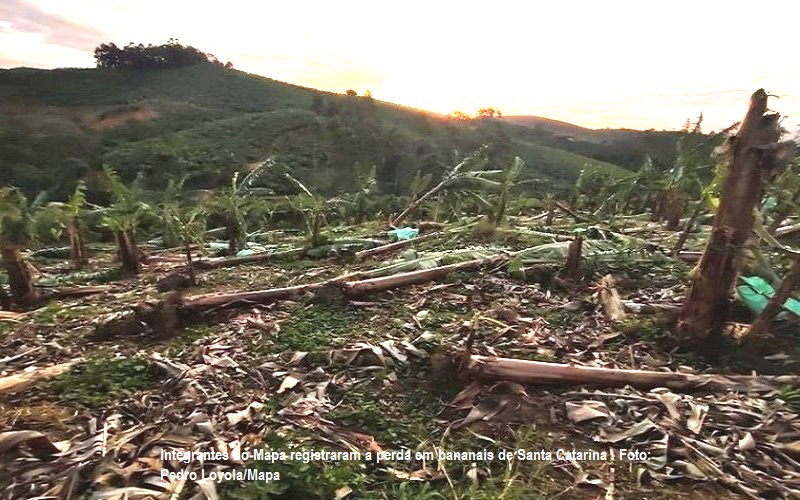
(187,249)
(755,156)
(77,245)
(127,252)
(675,202)
(20,275)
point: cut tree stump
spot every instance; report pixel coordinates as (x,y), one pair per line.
(572,266)
(539,372)
(755,157)
(613,308)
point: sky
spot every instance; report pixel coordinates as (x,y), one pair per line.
(599,64)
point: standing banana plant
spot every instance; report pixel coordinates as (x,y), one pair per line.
(365,183)
(512,173)
(313,209)
(126,212)
(464,174)
(190,229)
(170,202)
(16,232)
(233,202)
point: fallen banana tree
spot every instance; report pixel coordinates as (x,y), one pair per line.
(165,316)
(19,381)
(371,252)
(539,372)
(333,248)
(248,259)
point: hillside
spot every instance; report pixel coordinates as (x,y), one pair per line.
(207,122)
(623,147)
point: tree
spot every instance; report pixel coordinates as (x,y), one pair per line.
(68,216)
(190,228)
(488,113)
(351,92)
(169,203)
(126,212)
(365,180)
(16,221)
(138,56)
(460,115)
(464,174)
(755,157)
(232,203)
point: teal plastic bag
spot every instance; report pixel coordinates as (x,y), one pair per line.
(756,292)
(403,233)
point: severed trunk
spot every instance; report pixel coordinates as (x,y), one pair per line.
(20,275)
(78,255)
(755,156)
(674,204)
(187,249)
(127,252)
(676,250)
(572,266)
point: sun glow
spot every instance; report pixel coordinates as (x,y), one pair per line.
(598,64)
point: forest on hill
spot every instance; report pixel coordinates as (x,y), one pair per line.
(216,285)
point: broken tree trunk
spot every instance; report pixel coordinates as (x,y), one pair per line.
(187,249)
(20,275)
(248,259)
(761,325)
(78,255)
(687,229)
(571,213)
(363,254)
(201,303)
(613,308)
(675,202)
(539,372)
(127,252)
(755,154)
(572,266)
(179,310)
(356,288)
(19,381)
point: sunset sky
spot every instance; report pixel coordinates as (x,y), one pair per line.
(598,64)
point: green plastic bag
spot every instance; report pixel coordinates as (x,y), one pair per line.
(404,233)
(756,292)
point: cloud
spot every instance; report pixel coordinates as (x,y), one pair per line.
(22,16)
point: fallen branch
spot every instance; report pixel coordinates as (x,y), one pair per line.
(539,372)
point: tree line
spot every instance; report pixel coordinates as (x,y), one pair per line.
(172,54)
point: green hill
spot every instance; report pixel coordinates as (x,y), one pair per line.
(57,126)
(623,147)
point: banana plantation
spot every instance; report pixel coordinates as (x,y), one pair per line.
(631,336)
